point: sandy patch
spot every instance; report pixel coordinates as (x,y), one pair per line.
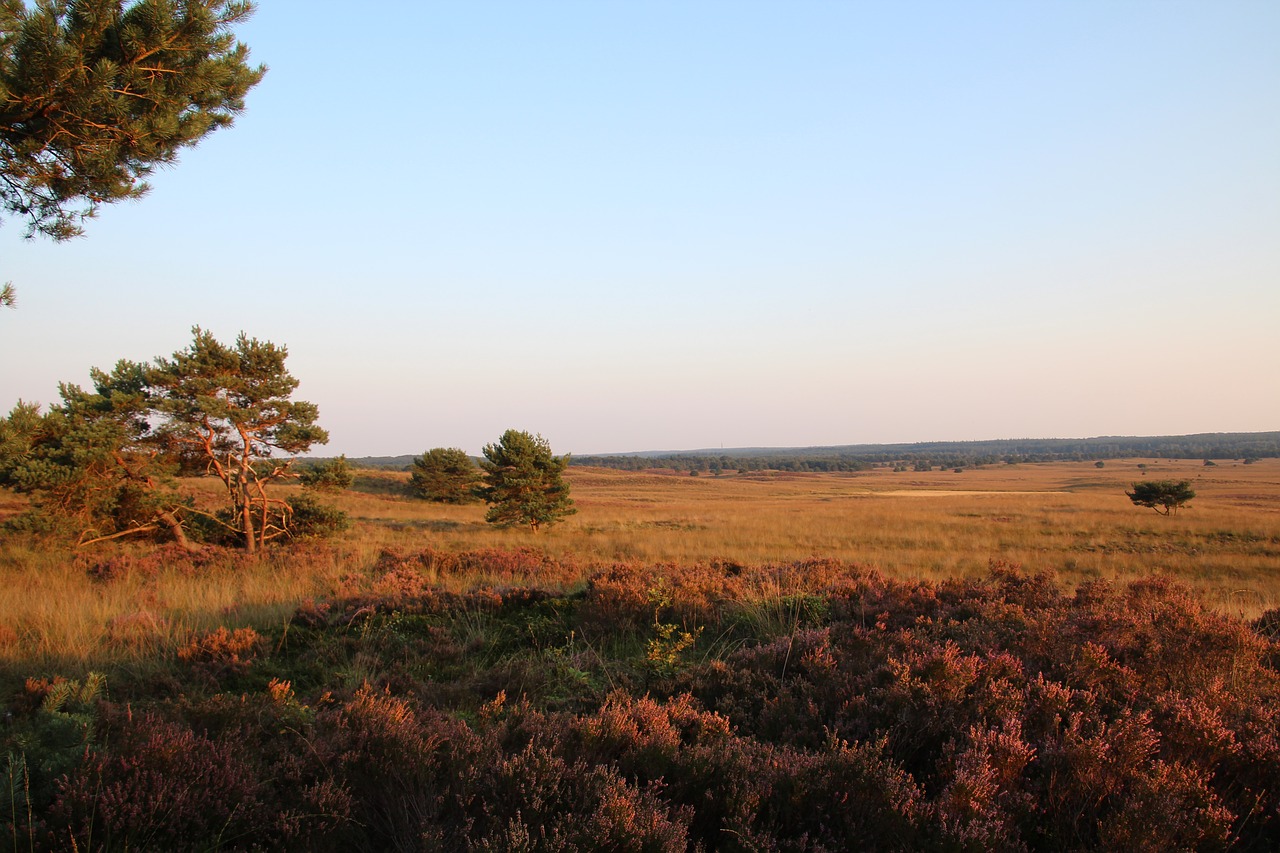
(906,493)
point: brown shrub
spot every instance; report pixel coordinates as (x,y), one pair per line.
(162,787)
(223,650)
(117,567)
(147,564)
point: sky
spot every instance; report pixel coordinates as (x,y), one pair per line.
(677,225)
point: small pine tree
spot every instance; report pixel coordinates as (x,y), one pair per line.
(523,483)
(332,475)
(444,475)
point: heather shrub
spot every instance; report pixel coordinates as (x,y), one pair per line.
(398,763)
(486,565)
(617,599)
(312,614)
(832,711)
(252,782)
(1268,625)
(117,567)
(146,563)
(1167,807)
(643,736)
(756,601)
(536,800)
(982,801)
(1028,717)
(853,796)
(161,786)
(421,780)
(744,794)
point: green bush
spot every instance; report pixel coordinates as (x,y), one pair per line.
(332,475)
(310,518)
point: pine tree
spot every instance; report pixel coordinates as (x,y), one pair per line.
(230,408)
(95,94)
(523,483)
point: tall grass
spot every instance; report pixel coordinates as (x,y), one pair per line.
(64,610)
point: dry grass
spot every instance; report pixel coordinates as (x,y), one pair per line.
(1071,518)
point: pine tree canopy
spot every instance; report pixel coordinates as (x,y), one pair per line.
(94,94)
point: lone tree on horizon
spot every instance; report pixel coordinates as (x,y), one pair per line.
(1164,496)
(523,483)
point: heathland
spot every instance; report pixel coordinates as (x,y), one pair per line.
(1007,656)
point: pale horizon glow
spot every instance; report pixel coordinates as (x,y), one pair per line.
(670,226)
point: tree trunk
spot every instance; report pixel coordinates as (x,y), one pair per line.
(246,517)
(170,522)
(246,505)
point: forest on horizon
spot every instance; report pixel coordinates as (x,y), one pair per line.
(1246,446)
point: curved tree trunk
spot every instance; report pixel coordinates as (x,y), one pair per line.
(170,522)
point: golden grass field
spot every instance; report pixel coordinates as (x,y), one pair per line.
(1069,518)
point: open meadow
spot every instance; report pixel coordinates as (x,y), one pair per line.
(1007,657)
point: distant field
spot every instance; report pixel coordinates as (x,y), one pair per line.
(1072,519)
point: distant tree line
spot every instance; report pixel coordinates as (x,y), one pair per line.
(925,456)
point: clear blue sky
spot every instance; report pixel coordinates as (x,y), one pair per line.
(672,225)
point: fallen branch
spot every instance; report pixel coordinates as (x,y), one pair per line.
(147,528)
